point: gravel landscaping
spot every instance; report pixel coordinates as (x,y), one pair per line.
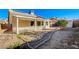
(12,40)
(72,42)
(8,39)
(63,39)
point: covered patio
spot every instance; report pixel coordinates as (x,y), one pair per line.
(22,24)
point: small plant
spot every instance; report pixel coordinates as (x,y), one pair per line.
(23,38)
(19,36)
(28,33)
(76,30)
(14,46)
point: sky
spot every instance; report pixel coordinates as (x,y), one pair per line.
(3,14)
(59,13)
(47,13)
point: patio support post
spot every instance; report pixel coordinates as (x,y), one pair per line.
(35,24)
(17,28)
(41,23)
(48,24)
(44,23)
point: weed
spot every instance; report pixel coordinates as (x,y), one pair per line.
(14,46)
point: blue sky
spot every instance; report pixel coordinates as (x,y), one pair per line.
(47,13)
(3,13)
(59,13)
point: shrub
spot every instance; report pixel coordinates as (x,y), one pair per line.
(18,36)
(14,46)
(62,23)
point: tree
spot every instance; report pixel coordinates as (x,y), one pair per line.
(62,23)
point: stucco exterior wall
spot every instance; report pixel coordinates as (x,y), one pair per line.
(22,23)
(13,21)
(10,17)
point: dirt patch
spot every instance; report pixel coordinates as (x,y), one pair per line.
(6,40)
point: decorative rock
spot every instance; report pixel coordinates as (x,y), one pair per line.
(76,42)
(65,44)
(75,46)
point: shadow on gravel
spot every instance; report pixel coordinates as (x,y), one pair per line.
(71,42)
(36,43)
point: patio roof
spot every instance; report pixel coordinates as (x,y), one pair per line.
(26,15)
(21,14)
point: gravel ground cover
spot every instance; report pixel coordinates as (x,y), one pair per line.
(63,39)
(72,42)
(12,40)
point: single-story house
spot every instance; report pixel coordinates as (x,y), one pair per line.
(22,22)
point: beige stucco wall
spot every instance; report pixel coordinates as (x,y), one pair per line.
(22,23)
(10,17)
(13,21)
